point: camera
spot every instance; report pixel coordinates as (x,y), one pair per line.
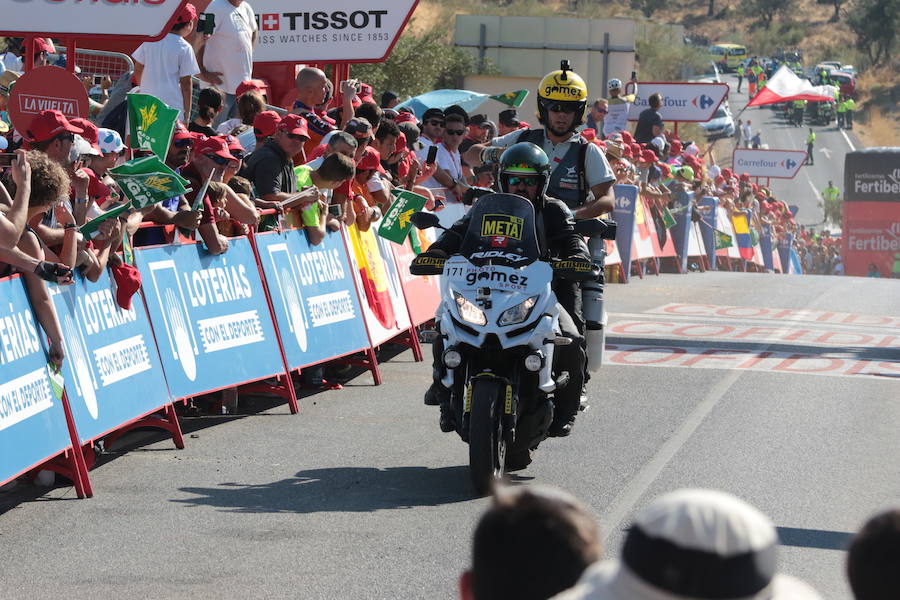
(98,79)
(335,210)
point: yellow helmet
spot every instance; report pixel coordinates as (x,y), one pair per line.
(564,91)
(564,85)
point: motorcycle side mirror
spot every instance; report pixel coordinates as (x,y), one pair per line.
(602,228)
(424,220)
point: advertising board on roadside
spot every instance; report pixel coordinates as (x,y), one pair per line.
(774,164)
(683,102)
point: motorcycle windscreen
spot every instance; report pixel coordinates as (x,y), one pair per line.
(501,232)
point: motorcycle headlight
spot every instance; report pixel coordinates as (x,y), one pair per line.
(517,313)
(468,311)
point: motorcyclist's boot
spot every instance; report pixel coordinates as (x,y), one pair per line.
(562,425)
(447,421)
(437,393)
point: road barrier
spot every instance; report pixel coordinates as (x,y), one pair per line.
(255,316)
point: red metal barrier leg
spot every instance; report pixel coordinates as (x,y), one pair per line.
(77,465)
(373,366)
(410,339)
(168,422)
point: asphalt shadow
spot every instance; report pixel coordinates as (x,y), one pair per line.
(340,489)
(821,539)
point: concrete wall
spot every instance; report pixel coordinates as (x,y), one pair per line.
(525,49)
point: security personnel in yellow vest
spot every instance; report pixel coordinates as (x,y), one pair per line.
(799,108)
(849,107)
(841,112)
(810,141)
(740,76)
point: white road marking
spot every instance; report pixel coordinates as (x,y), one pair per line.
(846,137)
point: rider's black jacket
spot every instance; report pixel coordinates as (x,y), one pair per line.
(558,228)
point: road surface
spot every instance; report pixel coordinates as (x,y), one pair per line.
(781,389)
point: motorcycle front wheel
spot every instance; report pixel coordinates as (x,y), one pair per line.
(487,446)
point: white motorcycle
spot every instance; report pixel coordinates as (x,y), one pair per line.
(499,323)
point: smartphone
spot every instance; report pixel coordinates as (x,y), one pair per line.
(98,79)
(7,159)
(335,210)
(634,75)
(209,24)
(432,155)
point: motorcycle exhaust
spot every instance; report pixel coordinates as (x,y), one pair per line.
(595,340)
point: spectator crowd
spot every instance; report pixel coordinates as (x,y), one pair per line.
(538,542)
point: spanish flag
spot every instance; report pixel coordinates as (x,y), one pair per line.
(742,235)
(373,275)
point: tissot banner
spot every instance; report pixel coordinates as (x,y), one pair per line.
(313,294)
(32,421)
(339,30)
(112,370)
(210,316)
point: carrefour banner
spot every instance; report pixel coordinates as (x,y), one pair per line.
(316,307)
(112,370)
(210,316)
(681,232)
(32,420)
(623,214)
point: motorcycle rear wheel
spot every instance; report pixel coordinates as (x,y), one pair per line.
(487,447)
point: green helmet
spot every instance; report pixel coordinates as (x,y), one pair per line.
(525,159)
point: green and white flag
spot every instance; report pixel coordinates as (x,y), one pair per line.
(396,224)
(513,99)
(723,240)
(148,180)
(151,123)
(668,219)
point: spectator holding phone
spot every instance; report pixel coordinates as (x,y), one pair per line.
(226,60)
(449,173)
(164,68)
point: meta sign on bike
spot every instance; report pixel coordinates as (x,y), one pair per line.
(210,316)
(313,296)
(32,421)
(110,353)
(684,102)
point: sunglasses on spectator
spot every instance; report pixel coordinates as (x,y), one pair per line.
(238,155)
(296,137)
(185,143)
(561,107)
(454,131)
(65,137)
(602,111)
(529,181)
(435,122)
(217,159)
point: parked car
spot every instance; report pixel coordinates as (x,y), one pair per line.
(849,69)
(721,125)
(845,81)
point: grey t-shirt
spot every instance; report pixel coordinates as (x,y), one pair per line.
(595,163)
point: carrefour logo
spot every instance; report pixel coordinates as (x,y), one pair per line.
(703,101)
(789,164)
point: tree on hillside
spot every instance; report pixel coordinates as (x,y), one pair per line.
(648,7)
(767,9)
(875,23)
(711,10)
(837,9)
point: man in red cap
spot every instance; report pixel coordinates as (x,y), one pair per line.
(271,167)
(264,126)
(164,68)
(210,157)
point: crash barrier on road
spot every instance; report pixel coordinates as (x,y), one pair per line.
(254,316)
(688,235)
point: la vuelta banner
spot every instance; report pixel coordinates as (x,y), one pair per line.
(95,18)
(316,307)
(32,421)
(110,354)
(210,316)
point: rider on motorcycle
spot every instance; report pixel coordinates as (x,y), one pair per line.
(525,171)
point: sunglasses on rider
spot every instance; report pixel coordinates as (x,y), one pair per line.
(529,180)
(454,132)
(562,107)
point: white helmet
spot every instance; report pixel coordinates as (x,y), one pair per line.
(614,84)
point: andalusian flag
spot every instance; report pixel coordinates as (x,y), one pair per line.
(723,240)
(151,123)
(148,180)
(373,274)
(396,224)
(667,217)
(514,99)
(742,233)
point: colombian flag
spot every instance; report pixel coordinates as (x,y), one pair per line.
(640,218)
(742,233)
(373,275)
